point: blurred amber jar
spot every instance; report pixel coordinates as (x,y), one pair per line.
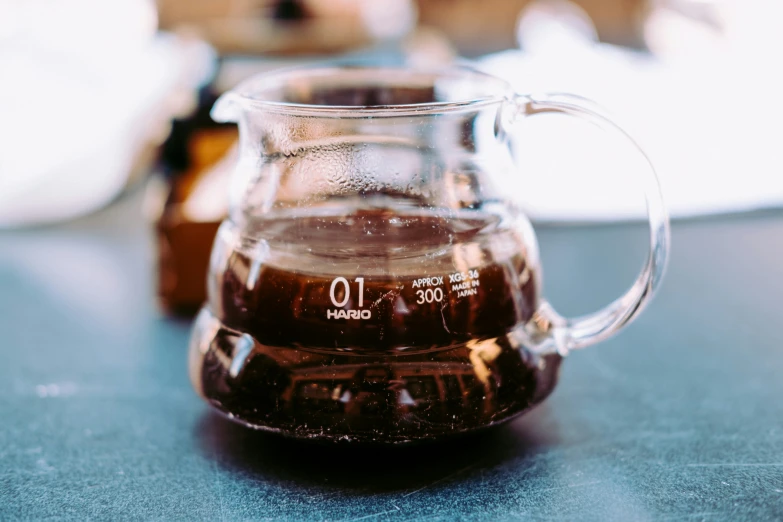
(193,205)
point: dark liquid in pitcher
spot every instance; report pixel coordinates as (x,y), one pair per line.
(376,326)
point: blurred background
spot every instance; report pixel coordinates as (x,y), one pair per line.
(106,104)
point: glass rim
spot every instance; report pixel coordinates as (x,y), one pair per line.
(250,93)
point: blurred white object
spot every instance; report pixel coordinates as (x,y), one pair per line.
(387,19)
(87,86)
(707,112)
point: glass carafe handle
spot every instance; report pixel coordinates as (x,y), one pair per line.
(583,331)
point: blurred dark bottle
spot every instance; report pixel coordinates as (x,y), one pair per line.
(197,164)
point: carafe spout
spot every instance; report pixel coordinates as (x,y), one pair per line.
(227,108)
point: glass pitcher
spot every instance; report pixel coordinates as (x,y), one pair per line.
(374,282)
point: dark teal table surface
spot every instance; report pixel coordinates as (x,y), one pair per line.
(680,417)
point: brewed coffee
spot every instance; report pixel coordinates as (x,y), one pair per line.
(376,325)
